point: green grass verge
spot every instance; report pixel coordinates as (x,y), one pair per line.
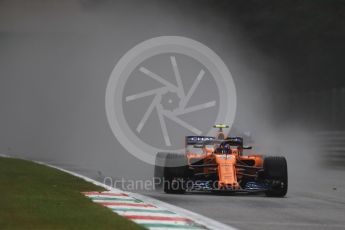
(34,196)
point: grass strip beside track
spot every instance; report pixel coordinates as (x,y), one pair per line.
(38,197)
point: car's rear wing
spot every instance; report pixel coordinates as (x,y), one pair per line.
(193,140)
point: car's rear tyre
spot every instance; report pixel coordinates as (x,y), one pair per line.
(275,170)
(175,173)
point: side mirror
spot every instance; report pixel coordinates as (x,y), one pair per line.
(247,147)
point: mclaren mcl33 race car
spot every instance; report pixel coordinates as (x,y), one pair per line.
(218,164)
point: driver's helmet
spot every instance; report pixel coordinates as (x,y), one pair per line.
(226,148)
(223,148)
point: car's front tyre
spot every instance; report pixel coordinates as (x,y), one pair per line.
(275,170)
(175,173)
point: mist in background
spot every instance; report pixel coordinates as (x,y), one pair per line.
(56,57)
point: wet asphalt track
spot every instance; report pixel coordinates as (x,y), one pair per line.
(297,211)
(311,203)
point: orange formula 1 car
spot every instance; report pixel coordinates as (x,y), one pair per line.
(218,164)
